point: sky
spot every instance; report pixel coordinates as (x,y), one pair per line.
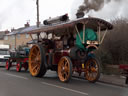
(111,10)
(15,13)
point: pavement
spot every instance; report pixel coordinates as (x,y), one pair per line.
(113,79)
(117,80)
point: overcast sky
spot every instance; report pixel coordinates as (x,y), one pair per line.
(15,13)
(113,9)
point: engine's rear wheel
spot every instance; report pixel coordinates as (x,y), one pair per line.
(37,61)
(92,73)
(65,69)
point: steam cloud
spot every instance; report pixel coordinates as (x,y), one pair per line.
(95,5)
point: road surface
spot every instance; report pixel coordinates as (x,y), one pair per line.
(14,83)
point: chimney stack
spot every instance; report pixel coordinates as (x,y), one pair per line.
(26,25)
(12,29)
(6,31)
(79,15)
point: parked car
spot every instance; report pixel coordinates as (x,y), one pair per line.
(4,54)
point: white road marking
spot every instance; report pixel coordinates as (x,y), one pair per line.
(68,89)
(16,76)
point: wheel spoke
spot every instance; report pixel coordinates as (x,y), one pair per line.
(66,74)
(66,69)
(36,50)
(91,76)
(62,65)
(33,61)
(92,69)
(34,55)
(35,67)
(94,75)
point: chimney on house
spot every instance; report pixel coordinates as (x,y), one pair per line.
(12,29)
(6,31)
(26,25)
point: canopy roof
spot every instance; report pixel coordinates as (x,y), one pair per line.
(91,22)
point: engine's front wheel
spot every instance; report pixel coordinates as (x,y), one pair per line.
(65,69)
(92,73)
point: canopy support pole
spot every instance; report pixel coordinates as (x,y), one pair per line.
(78,33)
(83,33)
(15,42)
(38,37)
(99,28)
(31,36)
(104,36)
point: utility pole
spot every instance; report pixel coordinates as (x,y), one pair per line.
(15,42)
(38,22)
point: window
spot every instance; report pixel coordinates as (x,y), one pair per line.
(34,36)
(18,35)
(27,36)
(6,38)
(13,36)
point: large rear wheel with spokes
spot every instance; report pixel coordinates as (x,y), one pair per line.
(92,73)
(37,61)
(65,69)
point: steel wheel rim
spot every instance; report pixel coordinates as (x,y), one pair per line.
(34,60)
(18,67)
(63,69)
(92,70)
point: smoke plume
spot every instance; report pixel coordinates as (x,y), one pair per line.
(94,5)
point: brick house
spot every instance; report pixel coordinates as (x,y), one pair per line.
(2,34)
(16,37)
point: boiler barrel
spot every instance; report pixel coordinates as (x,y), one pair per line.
(56,19)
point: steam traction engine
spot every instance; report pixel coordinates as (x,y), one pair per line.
(83,36)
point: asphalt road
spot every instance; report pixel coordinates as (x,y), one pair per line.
(14,83)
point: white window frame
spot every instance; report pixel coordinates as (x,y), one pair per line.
(27,35)
(13,37)
(18,35)
(5,37)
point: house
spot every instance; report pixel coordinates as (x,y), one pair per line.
(2,34)
(16,37)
